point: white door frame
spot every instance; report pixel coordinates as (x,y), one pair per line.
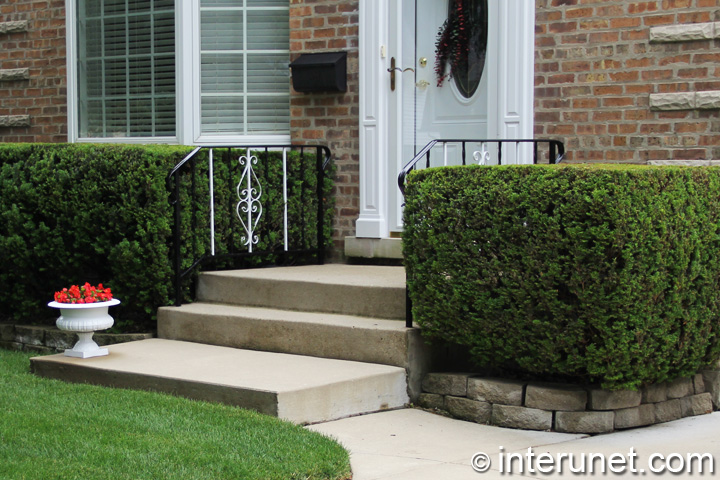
(510,110)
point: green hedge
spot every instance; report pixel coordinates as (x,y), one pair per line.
(597,274)
(101,213)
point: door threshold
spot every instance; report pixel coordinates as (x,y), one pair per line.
(389,247)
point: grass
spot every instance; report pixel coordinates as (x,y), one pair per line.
(55,430)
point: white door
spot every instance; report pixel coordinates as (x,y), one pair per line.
(395,123)
(425,107)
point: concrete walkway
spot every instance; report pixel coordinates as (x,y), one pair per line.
(414,444)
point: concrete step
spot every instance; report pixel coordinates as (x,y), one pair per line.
(369,291)
(326,335)
(297,388)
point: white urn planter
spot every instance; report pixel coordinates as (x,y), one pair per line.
(85,319)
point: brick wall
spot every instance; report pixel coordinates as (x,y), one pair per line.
(596,69)
(33,93)
(330,118)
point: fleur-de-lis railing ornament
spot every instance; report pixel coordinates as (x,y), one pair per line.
(482,156)
(249,208)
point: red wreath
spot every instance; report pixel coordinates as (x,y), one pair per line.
(452,42)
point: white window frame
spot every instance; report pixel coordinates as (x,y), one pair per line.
(187,54)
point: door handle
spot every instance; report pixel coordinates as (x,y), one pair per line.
(394,69)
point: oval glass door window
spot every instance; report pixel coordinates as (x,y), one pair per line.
(462,44)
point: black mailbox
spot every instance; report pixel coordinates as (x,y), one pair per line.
(320,72)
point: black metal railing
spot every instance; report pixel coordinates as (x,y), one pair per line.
(553,153)
(236,207)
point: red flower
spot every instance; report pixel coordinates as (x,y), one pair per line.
(85,294)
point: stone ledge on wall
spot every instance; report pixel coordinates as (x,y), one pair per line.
(14,26)
(9,121)
(705,100)
(688,32)
(44,339)
(14,74)
(568,408)
(686,163)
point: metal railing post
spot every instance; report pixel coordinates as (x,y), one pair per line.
(176,244)
(319,161)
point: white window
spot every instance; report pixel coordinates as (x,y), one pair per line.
(242,49)
(185,71)
(126,68)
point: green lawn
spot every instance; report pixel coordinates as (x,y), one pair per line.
(50,430)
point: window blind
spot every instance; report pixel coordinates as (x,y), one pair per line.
(244,55)
(126,68)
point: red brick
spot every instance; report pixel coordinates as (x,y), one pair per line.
(695,17)
(630,76)
(611,10)
(657,74)
(642,7)
(325,9)
(576,66)
(655,20)
(612,116)
(313,22)
(693,127)
(693,73)
(583,103)
(585,12)
(675,59)
(608,90)
(562,78)
(673,4)
(594,24)
(604,37)
(617,102)
(625,22)
(706,58)
(562,27)
(323,32)
(639,62)
(690,154)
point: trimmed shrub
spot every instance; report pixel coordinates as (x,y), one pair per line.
(76,213)
(102,213)
(596,274)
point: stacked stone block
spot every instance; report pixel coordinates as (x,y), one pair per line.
(44,339)
(568,408)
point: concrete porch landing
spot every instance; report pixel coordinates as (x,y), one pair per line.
(369,291)
(298,388)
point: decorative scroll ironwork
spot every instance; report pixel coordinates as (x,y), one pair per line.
(482,156)
(188,188)
(249,191)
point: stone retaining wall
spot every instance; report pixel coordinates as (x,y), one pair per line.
(44,339)
(568,408)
